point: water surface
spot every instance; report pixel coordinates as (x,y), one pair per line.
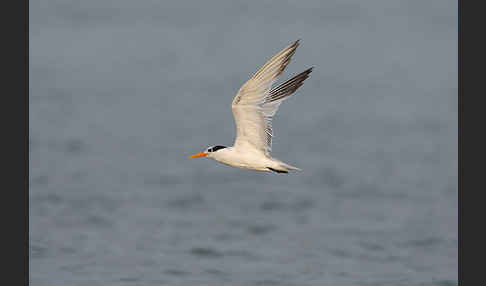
(121,92)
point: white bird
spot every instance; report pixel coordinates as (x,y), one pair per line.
(253,108)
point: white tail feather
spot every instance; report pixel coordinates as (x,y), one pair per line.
(290,167)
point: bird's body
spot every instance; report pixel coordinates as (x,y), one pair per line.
(251,159)
(253,108)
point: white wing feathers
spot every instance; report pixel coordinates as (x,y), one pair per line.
(255,104)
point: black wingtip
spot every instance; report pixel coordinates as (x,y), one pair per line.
(308,71)
(277,171)
(296,43)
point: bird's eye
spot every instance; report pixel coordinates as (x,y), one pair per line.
(210,150)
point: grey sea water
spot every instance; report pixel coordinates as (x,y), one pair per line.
(121,92)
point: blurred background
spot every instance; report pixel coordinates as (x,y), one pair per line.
(121,92)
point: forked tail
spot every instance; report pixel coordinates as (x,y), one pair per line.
(282,167)
(290,167)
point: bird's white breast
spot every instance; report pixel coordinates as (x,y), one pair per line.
(246,158)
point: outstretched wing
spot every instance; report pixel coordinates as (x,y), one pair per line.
(255,104)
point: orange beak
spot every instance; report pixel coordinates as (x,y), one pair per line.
(202,154)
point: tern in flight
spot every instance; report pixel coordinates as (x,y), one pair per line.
(253,108)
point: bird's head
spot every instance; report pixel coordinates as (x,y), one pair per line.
(209,152)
